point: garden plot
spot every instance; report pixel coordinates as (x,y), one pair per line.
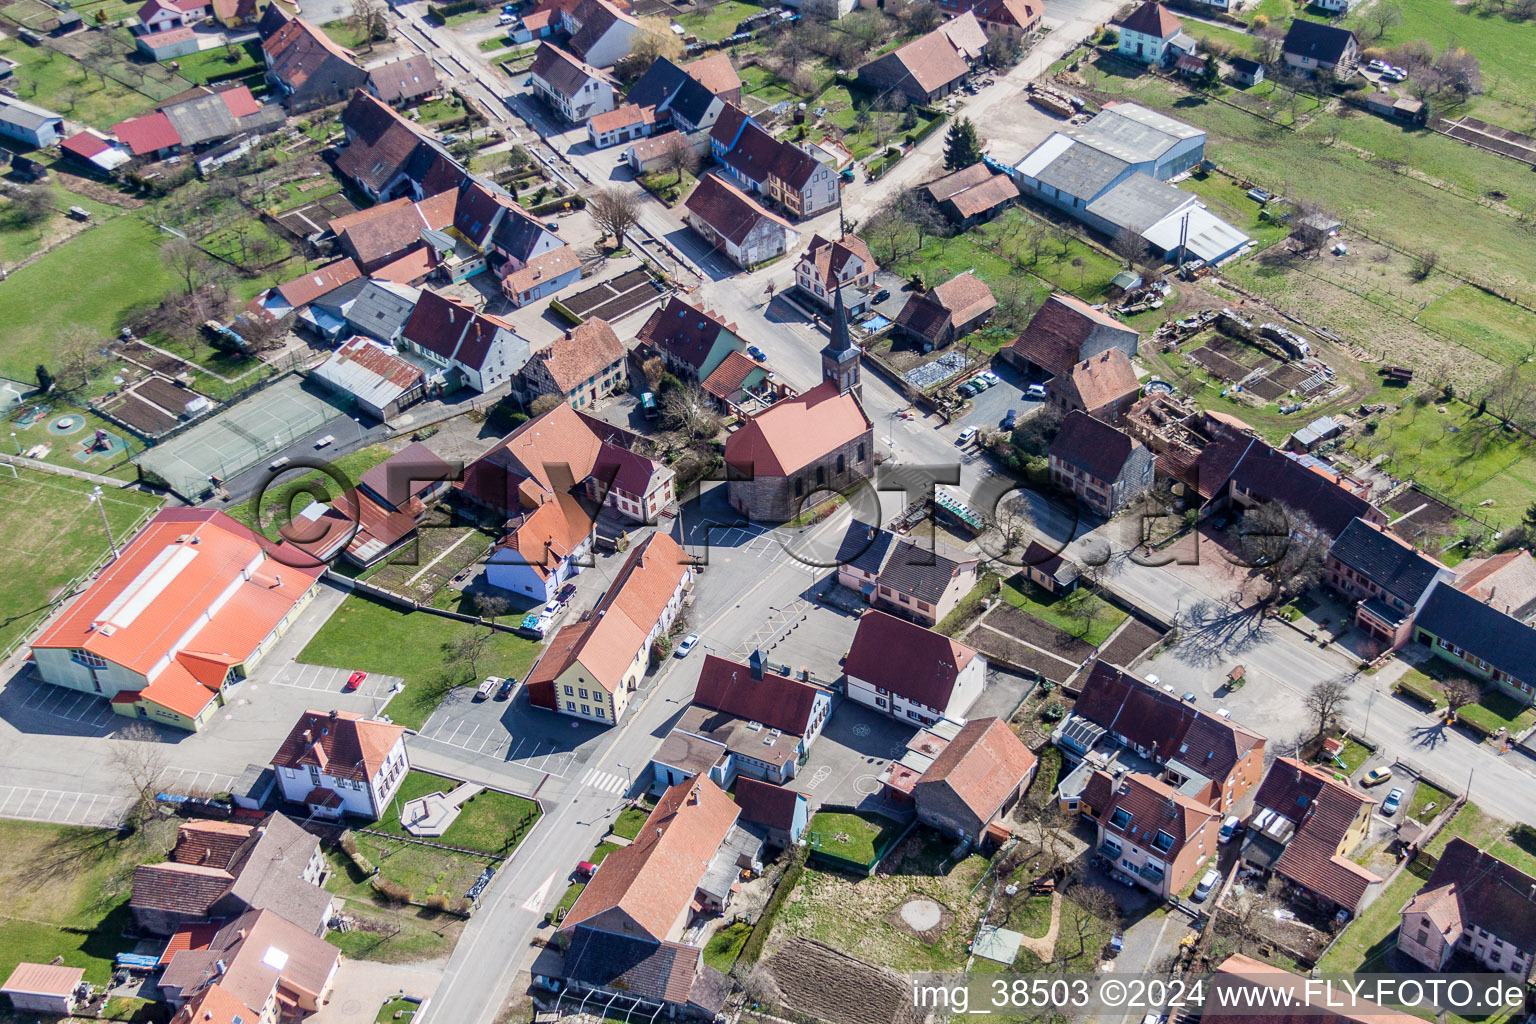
(939,370)
(614,298)
(153,406)
(1130,643)
(816,980)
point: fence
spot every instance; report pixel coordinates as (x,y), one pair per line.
(840,863)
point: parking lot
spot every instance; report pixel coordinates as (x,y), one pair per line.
(990,407)
(511,733)
(849,755)
(62,806)
(57,709)
(324,679)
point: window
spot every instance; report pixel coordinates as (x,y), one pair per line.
(570,705)
(1162,842)
(861,451)
(799,488)
(1121,818)
(88,659)
(914,716)
(841,462)
(1423,939)
(904,599)
(569,692)
(600,712)
(586,710)
(821,475)
(583,694)
(880,702)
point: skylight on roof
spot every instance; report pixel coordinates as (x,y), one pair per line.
(275,958)
(148,585)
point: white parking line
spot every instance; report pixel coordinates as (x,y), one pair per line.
(513,755)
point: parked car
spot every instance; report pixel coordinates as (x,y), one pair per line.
(981,382)
(1011,420)
(1260,195)
(1228,829)
(881,295)
(326,441)
(354,681)
(1377,65)
(1223,713)
(1207,883)
(991,378)
(1376,776)
(757,353)
(504,687)
(966,436)
(486,688)
(686,647)
(1393,801)
(1035,391)
(566,593)
(1190,696)
(279,463)
(968,389)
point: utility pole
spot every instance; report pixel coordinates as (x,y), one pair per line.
(95,498)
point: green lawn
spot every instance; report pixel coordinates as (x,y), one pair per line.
(404,936)
(719,21)
(199,67)
(18,241)
(1229,201)
(490,821)
(103,273)
(1465,456)
(67,893)
(1424,794)
(630,821)
(1485,832)
(276,501)
(406,1008)
(1024,594)
(1353,755)
(52,534)
(725,945)
(344,33)
(601,851)
(424,871)
(240,243)
(1368,937)
(854,837)
(62,449)
(54,80)
(350,639)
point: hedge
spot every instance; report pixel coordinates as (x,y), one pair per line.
(445,11)
(1414,690)
(570,202)
(753,947)
(392,891)
(565,312)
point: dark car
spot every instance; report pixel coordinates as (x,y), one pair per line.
(1011,419)
(505,690)
(566,592)
(882,295)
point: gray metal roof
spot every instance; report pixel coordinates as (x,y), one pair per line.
(1138,202)
(725,867)
(1134,133)
(1082,171)
(25,115)
(381,310)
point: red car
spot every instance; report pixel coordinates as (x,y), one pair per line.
(354,681)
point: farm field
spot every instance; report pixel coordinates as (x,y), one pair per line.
(52,534)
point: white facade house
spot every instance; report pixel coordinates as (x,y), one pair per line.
(338,763)
(911,673)
(576,90)
(451,335)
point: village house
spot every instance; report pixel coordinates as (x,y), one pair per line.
(542,549)
(1479,640)
(1104,467)
(781,814)
(1313,46)
(221,869)
(1386,578)
(583,366)
(1104,386)
(338,763)
(1474,903)
(1151,35)
(788,175)
(931,66)
(1239,473)
(972,195)
(911,673)
(163,15)
(620,125)
(1066,331)
(922,583)
(574,90)
(692,340)
(861,556)
(529,259)
(51,989)
(257,966)
(382,234)
(829,265)
(740,385)
(468,346)
(306,70)
(186,611)
(1506,581)
(1011,19)
(947,312)
(386,157)
(402,83)
(1047,569)
(1241,984)
(592,668)
(602,33)
(1304,826)
(975,782)
(1153,833)
(731,220)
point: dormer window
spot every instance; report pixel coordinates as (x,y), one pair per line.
(1121,818)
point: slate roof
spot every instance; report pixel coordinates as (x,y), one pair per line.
(910,661)
(1504,642)
(1093,446)
(652,881)
(982,765)
(1322,810)
(657,85)
(728,210)
(1153,19)
(1476,889)
(776,701)
(1056,333)
(1104,379)
(341,744)
(914,570)
(404,79)
(753,155)
(691,102)
(1391,563)
(865,547)
(383,144)
(763,803)
(301,55)
(829,256)
(596,17)
(795,432)
(667,972)
(1320,42)
(581,353)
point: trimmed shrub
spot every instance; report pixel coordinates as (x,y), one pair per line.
(752,949)
(1419,693)
(349,843)
(437,901)
(363,864)
(394,892)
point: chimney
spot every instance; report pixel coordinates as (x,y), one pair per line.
(755,662)
(335,713)
(309,736)
(242,933)
(693,797)
(279,578)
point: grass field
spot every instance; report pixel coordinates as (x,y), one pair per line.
(397,935)
(351,639)
(1465,456)
(54,80)
(1026,595)
(630,821)
(62,449)
(1424,795)
(1369,936)
(404,1007)
(67,894)
(1486,833)
(718,21)
(853,837)
(19,241)
(199,67)
(92,282)
(491,821)
(291,497)
(725,945)
(52,534)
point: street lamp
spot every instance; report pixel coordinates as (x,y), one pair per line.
(1366,734)
(15,442)
(629,779)
(95,497)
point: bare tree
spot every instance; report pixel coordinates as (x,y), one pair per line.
(544,403)
(922,18)
(465,651)
(369,20)
(1269,40)
(656,39)
(186,261)
(30,205)
(689,409)
(1012,520)
(1309,225)
(1098,905)
(679,157)
(1129,246)
(1284,547)
(1384,17)
(490,606)
(79,357)
(139,758)
(1459,693)
(653,369)
(615,212)
(1325,702)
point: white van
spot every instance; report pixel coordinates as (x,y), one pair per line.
(966,436)
(1228,829)
(279,463)
(1207,883)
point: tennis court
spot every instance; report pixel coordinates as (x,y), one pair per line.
(240,437)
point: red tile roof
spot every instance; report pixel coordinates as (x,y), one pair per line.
(776,701)
(622,117)
(581,353)
(763,803)
(910,661)
(306,288)
(453,329)
(652,881)
(1478,890)
(341,744)
(829,256)
(795,432)
(731,374)
(147,134)
(1304,1003)
(1156,807)
(1322,810)
(983,766)
(715,73)
(215,1005)
(1153,19)
(1055,335)
(1104,379)
(189,889)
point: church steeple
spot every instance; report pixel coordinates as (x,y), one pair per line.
(840,357)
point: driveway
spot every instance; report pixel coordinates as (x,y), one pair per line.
(363,986)
(990,407)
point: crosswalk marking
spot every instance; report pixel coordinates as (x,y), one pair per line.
(605,781)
